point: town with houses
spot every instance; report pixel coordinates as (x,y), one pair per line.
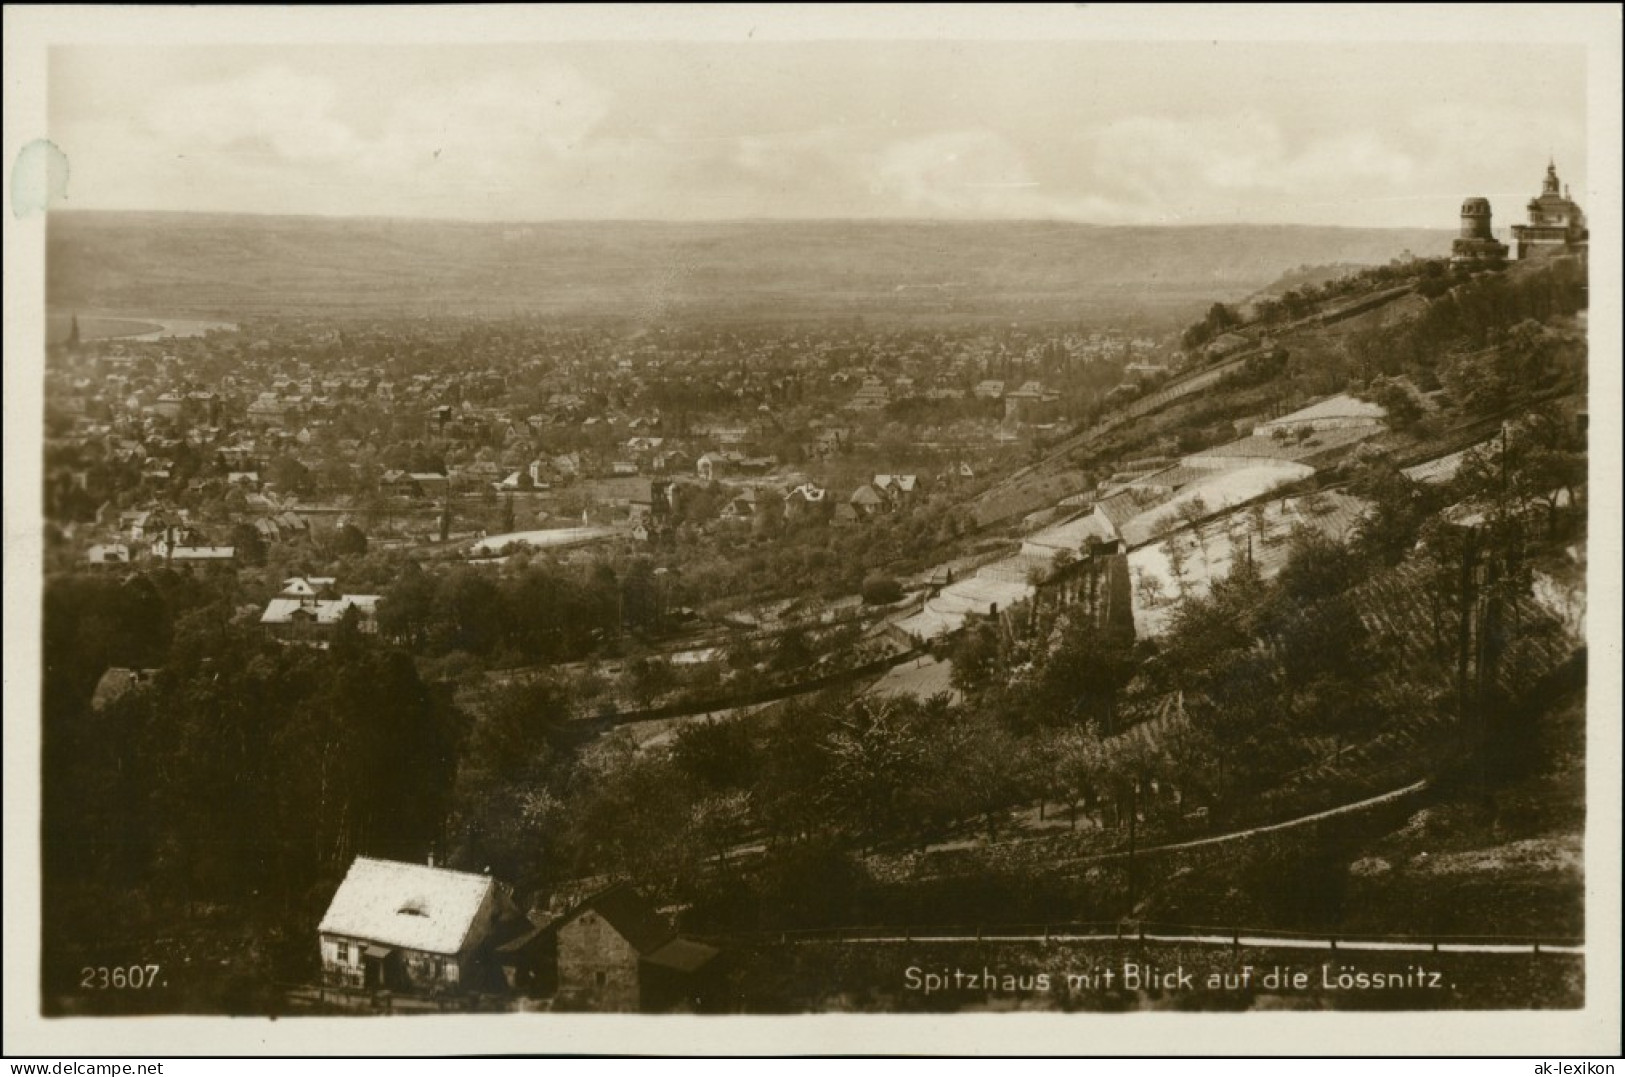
(566,664)
(210,450)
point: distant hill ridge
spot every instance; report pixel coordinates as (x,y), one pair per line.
(240,265)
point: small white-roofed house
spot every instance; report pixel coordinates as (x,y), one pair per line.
(413,927)
(308,618)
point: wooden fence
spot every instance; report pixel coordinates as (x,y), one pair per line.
(1136,932)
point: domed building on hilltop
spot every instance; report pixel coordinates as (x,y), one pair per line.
(1557,224)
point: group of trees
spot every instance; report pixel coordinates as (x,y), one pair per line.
(1489,339)
(1219,319)
(543,613)
(1432,275)
(241,774)
(1272,674)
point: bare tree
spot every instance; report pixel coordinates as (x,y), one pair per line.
(1173,548)
(1148,586)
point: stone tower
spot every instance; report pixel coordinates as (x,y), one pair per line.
(1476,243)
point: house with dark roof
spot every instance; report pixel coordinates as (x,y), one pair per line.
(616,953)
(868,501)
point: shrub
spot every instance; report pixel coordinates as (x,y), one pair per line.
(881,591)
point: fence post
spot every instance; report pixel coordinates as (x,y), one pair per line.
(1235,937)
(1334,944)
(978,932)
(1535,947)
(1046,932)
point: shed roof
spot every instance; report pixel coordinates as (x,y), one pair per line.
(644,929)
(633,918)
(682,955)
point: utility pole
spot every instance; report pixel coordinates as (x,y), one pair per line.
(1468,599)
(1484,672)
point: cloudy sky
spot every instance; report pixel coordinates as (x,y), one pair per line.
(1105,132)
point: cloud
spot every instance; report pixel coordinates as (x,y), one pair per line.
(486,144)
(272,110)
(956,172)
(497,122)
(1199,167)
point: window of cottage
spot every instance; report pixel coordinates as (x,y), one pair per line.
(343,952)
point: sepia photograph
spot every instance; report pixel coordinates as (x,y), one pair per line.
(1025,518)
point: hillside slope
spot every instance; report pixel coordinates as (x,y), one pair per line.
(235,266)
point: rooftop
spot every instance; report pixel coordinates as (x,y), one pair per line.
(409,905)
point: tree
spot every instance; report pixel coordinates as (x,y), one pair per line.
(1173,551)
(349,541)
(631,814)
(717,755)
(650,678)
(519,725)
(1399,507)
(1132,767)
(467,613)
(1342,710)
(792,650)
(874,750)
(640,591)
(1148,587)
(881,590)
(1192,514)
(1323,641)
(1077,766)
(1219,318)
(250,547)
(969,767)
(1080,680)
(1538,460)
(720,821)
(1394,396)
(1258,513)
(1488,381)
(289,476)
(1316,567)
(977,658)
